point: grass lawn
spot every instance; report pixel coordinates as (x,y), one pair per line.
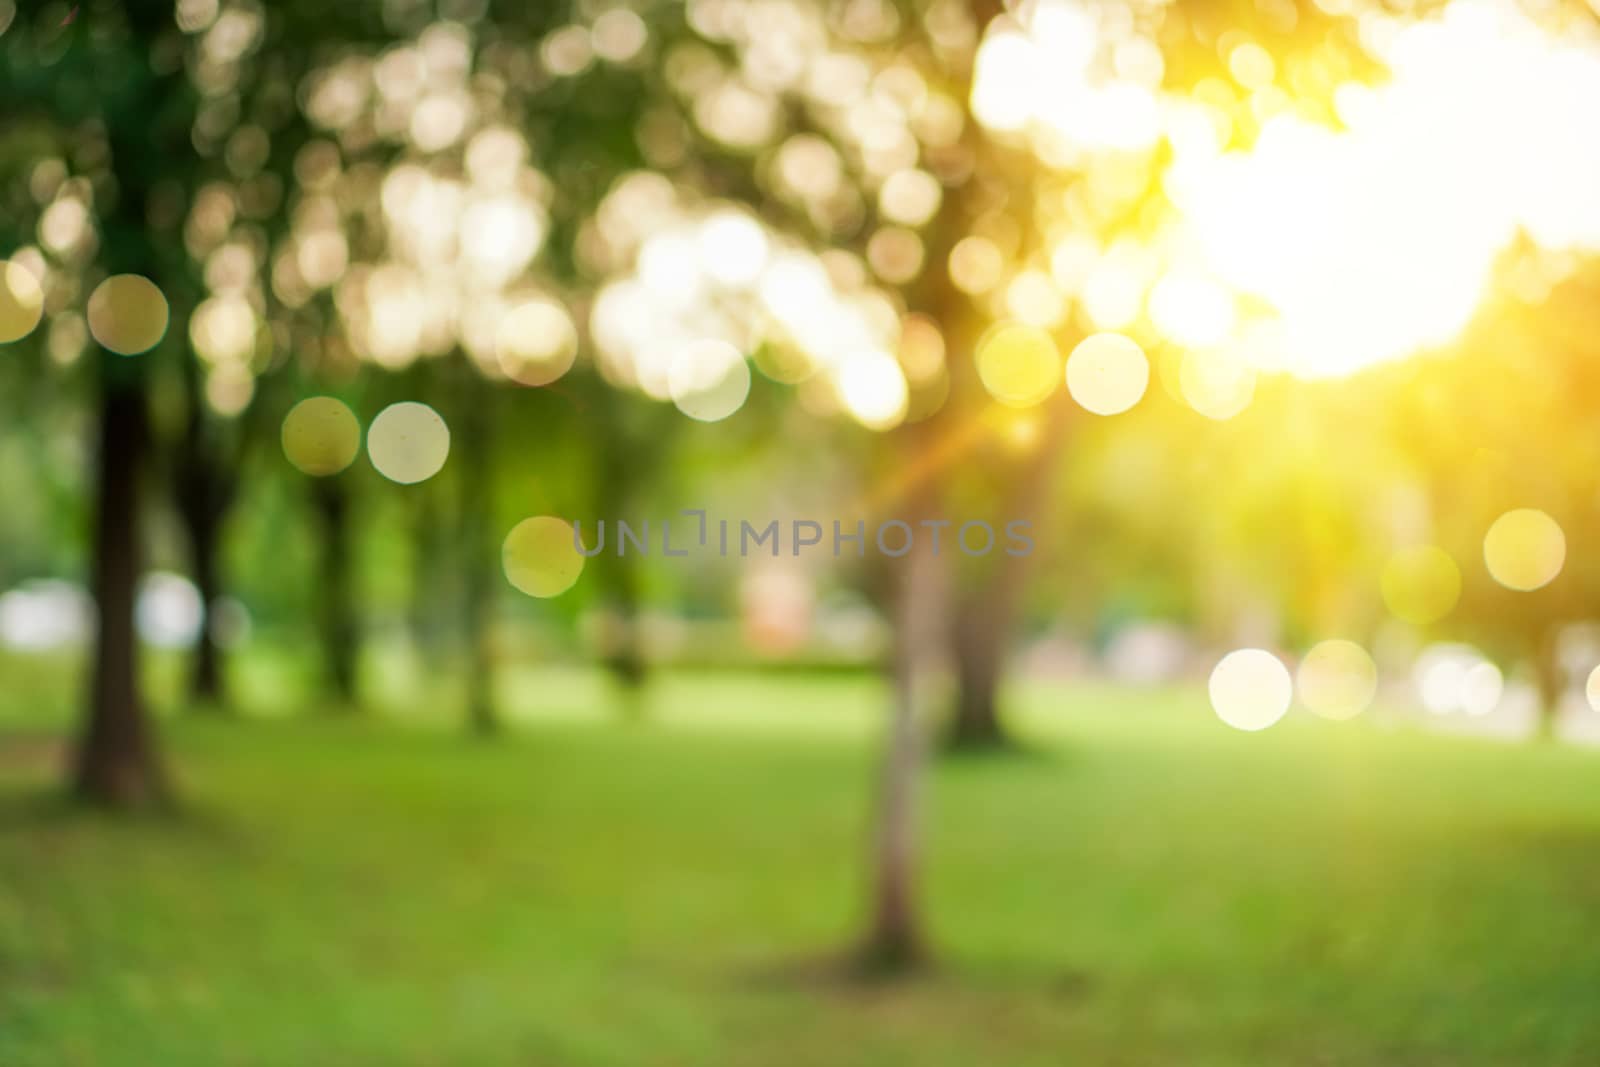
(1145,887)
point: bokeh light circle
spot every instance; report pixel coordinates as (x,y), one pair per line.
(1107,373)
(321,436)
(1421,585)
(1215,387)
(1591,689)
(874,391)
(21,301)
(408,442)
(1337,679)
(1481,688)
(1019,365)
(1524,549)
(536,343)
(127,314)
(1448,679)
(540,557)
(222,330)
(1250,689)
(708,380)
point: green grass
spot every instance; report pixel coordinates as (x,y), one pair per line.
(1146,887)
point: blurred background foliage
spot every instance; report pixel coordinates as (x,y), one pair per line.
(1271,323)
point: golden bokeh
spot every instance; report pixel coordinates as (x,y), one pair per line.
(229,389)
(1216,387)
(408,442)
(1481,688)
(921,349)
(909,197)
(1337,679)
(873,390)
(222,330)
(708,380)
(536,343)
(1107,373)
(976,265)
(21,301)
(1524,549)
(895,254)
(127,314)
(1421,585)
(321,436)
(1019,365)
(540,556)
(1250,689)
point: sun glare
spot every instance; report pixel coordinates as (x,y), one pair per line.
(1365,241)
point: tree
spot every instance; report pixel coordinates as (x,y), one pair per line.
(140,113)
(1462,423)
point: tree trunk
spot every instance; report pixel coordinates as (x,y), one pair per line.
(206,688)
(983,626)
(894,941)
(147,114)
(979,645)
(481,712)
(622,651)
(628,455)
(433,580)
(1550,681)
(116,763)
(336,609)
(203,493)
(479,562)
(202,523)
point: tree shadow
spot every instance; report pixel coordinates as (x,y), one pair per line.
(852,972)
(1014,752)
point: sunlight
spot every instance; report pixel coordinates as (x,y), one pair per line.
(1361,243)
(1469,142)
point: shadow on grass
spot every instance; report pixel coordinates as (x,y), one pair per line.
(53,807)
(35,794)
(850,972)
(1018,753)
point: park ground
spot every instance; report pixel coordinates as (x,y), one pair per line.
(1142,886)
